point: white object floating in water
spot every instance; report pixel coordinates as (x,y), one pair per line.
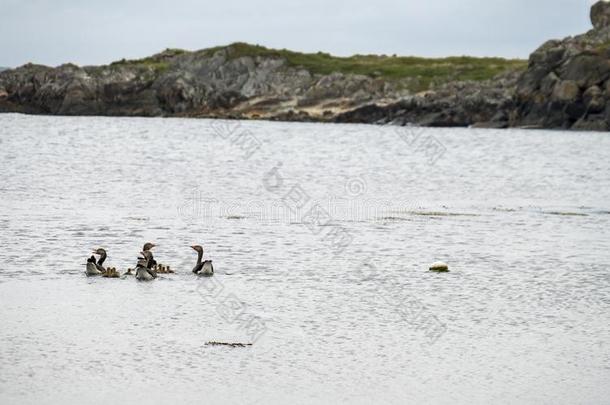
(439,267)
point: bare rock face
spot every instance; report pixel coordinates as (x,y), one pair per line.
(565,91)
(200,84)
(567,83)
(482,104)
(600,15)
(566,86)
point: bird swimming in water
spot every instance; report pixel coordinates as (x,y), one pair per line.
(100,262)
(157,267)
(147,248)
(202,268)
(96,268)
(111,272)
(144,270)
(162,269)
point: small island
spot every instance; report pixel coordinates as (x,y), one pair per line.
(564,85)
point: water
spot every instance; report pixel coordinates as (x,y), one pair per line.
(344,309)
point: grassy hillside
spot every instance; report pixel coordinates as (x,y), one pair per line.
(417,73)
(158,62)
(425,70)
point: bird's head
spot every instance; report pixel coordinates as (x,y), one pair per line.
(99,251)
(148,246)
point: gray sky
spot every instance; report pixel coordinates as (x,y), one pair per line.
(56,31)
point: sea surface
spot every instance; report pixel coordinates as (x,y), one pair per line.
(321,236)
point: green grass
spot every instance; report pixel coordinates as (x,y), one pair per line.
(416,73)
(427,71)
(146,63)
(158,62)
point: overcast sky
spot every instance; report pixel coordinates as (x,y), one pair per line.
(56,31)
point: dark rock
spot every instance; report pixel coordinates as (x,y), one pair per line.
(592,123)
(549,53)
(575,111)
(365,114)
(457,104)
(593,98)
(548,84)
(600,15)
(566,90)
(567,82)
(586,69)
(206,83)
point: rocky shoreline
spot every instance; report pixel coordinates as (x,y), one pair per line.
(565,85)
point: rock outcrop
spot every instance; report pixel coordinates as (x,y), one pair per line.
(566,85)
(484,104)
(600,15)
(211,83)
(244,81)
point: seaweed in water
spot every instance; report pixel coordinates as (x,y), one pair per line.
(228,344)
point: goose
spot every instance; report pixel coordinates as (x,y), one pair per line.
(202,268)
(146,248)
(96,268)
(100,262)
(144,271)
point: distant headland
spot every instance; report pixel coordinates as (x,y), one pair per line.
(564,85)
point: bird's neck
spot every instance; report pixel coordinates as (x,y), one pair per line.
(199,257)
(149,263)
(102,258)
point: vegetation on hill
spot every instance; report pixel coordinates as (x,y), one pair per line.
(427,70)
(158,62)
(418,73)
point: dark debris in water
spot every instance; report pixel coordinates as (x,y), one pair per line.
(228,344)
(502,209)
(442,214)
(390,218)
(138,218)
(567,214)
(429,214)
